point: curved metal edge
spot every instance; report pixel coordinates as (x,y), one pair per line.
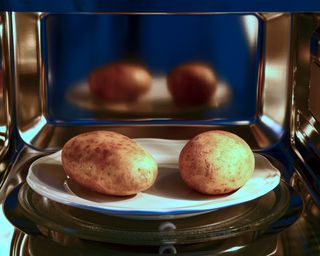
(16,216)
(5,102)
(293,213)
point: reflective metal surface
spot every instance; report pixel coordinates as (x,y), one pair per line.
(305,232)
(276,74)
(5,83)
(46,125)
(305,125)
(280,74)
(35,246)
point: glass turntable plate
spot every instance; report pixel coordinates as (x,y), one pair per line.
(168,198)
(269,213)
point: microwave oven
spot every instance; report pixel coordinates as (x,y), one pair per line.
(266,60)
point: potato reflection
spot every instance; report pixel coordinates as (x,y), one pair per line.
(157,101)
(120,82)
(192,84)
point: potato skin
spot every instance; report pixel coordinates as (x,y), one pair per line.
(108,163)
(216,162)
(120,82)
(192,84)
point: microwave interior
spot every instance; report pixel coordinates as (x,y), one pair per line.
(248,54)
(266,67)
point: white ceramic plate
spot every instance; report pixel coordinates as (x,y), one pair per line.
(156,101)
(168,198)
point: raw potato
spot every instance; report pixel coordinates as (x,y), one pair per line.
(120,82)
(216,162)
(108,163)
(192,84)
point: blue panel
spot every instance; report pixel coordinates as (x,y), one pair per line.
(74,45)
(161,5)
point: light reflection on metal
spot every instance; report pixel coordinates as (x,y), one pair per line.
(275,91)
(27,65)
(5,83)
(273,72)
(250,25)
(308,130)
(31,132)
(6,233)
(274,126)
(273,252)
(234,248)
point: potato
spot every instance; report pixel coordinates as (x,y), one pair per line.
(216,162)
(192,84)
(120,82)
(108,163)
